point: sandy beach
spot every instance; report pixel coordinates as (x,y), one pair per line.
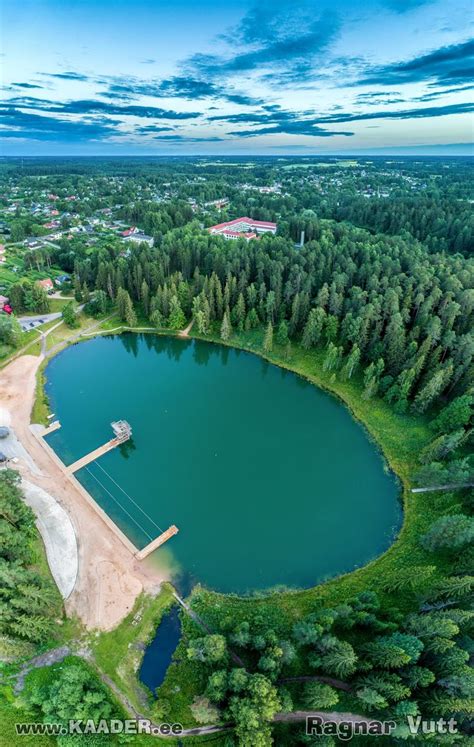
(109,578)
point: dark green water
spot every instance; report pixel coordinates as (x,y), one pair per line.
(269,479)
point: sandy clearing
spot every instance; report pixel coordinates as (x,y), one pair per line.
(109,578)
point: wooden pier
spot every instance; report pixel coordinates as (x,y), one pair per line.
(122,432)
(157,542)
(92,456)
(51,428)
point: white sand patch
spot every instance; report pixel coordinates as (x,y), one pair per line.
(58,535)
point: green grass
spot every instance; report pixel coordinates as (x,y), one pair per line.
(119,652)
(41,409)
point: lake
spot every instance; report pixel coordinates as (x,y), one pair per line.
(270,480)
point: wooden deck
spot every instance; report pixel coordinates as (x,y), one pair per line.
(51,428)
(154,544)
(93,455)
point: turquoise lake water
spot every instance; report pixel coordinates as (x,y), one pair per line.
(269,479)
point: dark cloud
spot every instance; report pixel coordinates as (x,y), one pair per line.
(443,92)
(91,106)
(26,85)
(150,129)
(67,76)
(431,111)
(187,139)
(288,38)
(39,127)
(185,87)
(447,65)
(292,126)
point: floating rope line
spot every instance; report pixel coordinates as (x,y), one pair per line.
(128,496)
(118,503)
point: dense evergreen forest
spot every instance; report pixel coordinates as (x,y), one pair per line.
(371,276)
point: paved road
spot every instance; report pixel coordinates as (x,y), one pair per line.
(30,322)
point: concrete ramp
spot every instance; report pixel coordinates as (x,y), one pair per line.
(58,535)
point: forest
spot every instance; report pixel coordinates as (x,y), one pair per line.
(375,302)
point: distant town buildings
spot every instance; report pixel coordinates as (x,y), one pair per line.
(243,228)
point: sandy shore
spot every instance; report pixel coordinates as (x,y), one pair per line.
(109,578)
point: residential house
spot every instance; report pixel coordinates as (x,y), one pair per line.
(47,284)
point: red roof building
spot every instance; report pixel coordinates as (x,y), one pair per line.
(245,228)
(47,284)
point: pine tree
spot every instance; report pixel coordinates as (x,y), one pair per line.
(351,363)
(226,329)
(176,318)
(130,316)
(455,415)
(268,339)
(282,333)
(432,389)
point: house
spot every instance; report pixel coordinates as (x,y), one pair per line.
(47,284)
(243,228)
(62,279)
(139,238)
(219,204)
(2,254)
(129,232)
(3,302)
(232,235)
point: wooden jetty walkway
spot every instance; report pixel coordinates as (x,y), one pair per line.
(155,544)
(93,455)
(51,428)
(122,432)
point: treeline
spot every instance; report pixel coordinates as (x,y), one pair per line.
(442,224)
(379,305)
(360,655)
(29,601)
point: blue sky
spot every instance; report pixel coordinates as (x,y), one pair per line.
(266,77)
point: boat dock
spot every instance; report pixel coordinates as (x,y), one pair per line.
(92,456)
(122,432)
(51,428)
(157,542)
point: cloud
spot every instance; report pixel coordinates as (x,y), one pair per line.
(92,106)
(150,129)
(432,111)
(187,139)
(447,66)
(39,127)
(26,85)
(185,87)
(301,127)
(67,76)
(288,39)
(443,92)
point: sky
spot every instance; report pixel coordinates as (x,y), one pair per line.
(241,77)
